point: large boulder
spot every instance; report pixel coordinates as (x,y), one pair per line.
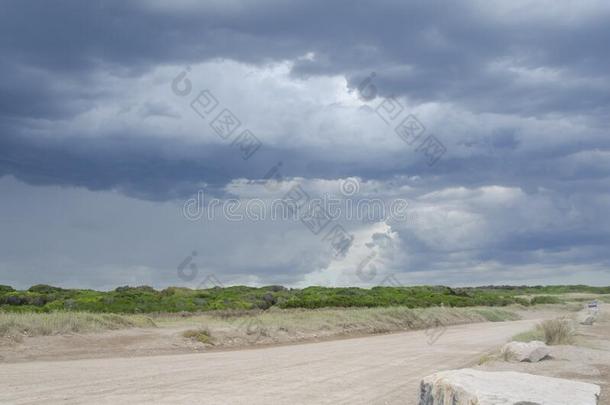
(469,387)
(533,351)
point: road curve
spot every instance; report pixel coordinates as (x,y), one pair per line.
(383,369)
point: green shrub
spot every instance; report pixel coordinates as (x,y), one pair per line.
(545,299)
(45,289)
(522,301)
(6,288)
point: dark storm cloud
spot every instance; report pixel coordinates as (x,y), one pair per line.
(133,166)
(426,51)
(161,169)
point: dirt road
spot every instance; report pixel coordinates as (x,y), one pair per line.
(382,369)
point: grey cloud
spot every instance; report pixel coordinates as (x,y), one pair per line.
(426,51)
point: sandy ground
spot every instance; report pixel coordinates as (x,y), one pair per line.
(383,369)
(116,343)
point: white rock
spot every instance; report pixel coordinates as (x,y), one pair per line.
(470,387)
(587,316)
(588,320)
(533,351)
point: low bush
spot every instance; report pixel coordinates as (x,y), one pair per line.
(6,288)
(545,299)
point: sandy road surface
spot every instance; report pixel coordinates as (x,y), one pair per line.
(372,370)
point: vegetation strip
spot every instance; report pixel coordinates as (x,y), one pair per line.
(144,299)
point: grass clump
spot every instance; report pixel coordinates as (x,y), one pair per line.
(552,332)
(15,325)
(496,314)
(558,331)
(199,335)
(486,358)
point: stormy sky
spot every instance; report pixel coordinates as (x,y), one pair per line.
(115,115)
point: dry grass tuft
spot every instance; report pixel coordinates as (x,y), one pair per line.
(553,332)
(200,335)
(558,331)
